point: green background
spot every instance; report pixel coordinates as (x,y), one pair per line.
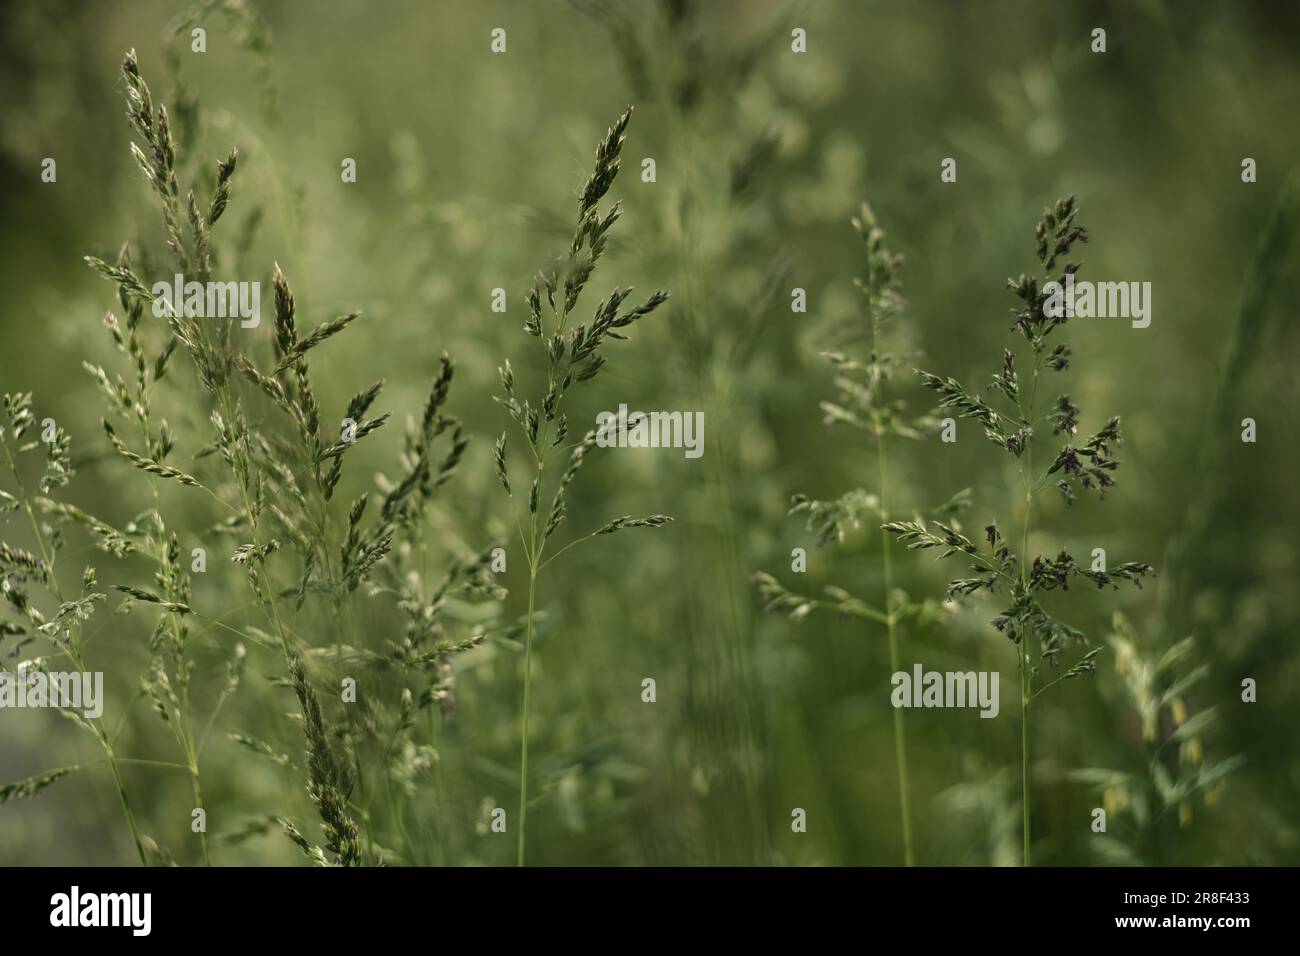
(468,165)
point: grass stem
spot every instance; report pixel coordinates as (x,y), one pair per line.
(528,685)
(900,739)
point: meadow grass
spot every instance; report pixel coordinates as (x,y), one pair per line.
(276,493)
(367,551)
(865,402)
(567,360)
(1089,465)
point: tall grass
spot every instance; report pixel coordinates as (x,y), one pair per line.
(1076,466)
(570,356)
(336,555)
(282,477)
(865,402)
(63,631)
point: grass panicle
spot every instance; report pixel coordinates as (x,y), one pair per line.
(864,402)
(570,355)
(1040,638)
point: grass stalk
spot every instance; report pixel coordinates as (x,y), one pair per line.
(891,625)
(1078,465)
(572,356)
(528,688)
(1022,650)
(73,651)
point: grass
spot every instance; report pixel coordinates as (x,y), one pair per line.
(275,486)
(865,403)
(278,487)
(1038,636)
(341,561)
(1150,797)
(242,448)
(64,633)
(567,360)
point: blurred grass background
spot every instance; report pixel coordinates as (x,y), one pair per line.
(467,164)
